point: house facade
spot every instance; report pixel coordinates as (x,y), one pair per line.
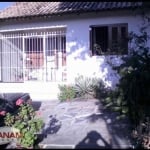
(43,44)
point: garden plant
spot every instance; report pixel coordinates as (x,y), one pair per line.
(26,121)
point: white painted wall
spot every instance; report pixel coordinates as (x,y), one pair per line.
(78,58)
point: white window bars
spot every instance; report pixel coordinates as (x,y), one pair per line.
(33,55)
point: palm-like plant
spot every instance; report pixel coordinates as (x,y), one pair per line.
(86,86)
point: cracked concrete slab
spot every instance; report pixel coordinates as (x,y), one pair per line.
(77,123)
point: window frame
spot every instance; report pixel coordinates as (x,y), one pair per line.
(23,43)
(109,38)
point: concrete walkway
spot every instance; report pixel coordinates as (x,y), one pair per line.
(81,124)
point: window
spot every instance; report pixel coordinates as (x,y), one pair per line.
(33,45)
(109,39)
(33,55)
(34,52)
(55,44)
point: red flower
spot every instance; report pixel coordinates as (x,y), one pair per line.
(19,102)
(3,113)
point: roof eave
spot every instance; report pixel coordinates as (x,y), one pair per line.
(77,12)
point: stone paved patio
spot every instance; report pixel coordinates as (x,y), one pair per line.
(81,124)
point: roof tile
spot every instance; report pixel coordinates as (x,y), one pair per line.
(26,9)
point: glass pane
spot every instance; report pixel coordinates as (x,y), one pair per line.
(34,61)
(114,33)
(114,39)
(100,44)
(123,32)
(124,41)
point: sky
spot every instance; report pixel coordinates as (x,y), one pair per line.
(4,5)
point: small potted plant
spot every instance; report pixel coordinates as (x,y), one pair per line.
(26,121)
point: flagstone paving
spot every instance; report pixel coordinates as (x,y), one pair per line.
(81,124)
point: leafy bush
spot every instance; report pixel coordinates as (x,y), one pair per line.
(67,92)
(87,87)
(141,134)
(27,123)
(134,86)
(133,91)
(113,100)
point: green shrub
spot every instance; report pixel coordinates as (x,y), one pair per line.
(87,87)
(135,78)
(114,101)
(133,91)
(27,122)
(67,92)
(141,134)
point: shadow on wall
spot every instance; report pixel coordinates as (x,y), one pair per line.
(92,141)
(111,76)
(99,66)
(78,54)
(78,49)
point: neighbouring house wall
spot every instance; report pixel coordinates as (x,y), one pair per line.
(79,60)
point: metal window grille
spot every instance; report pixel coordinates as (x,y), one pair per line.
(37,55)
